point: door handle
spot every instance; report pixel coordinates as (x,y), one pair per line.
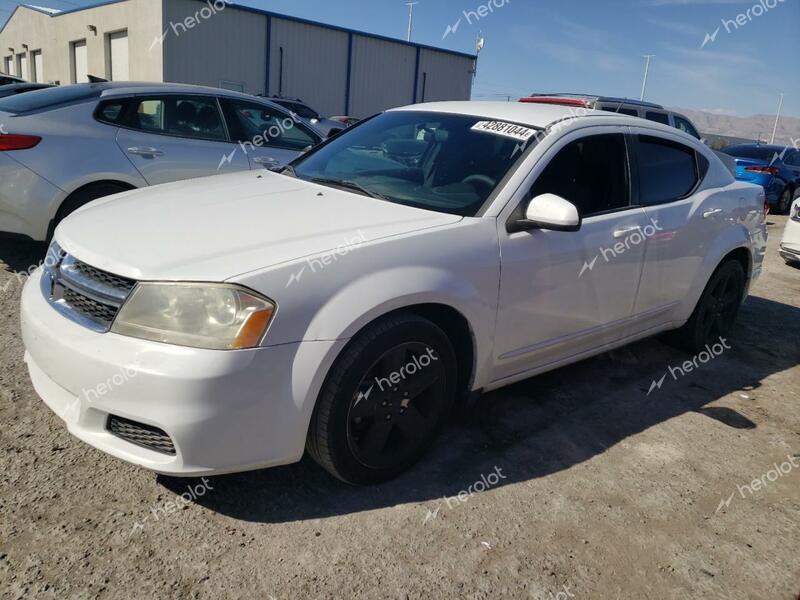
(623,231)
(267,161)
(145,151)
(712,212)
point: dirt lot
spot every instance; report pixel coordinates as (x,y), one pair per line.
(577,484)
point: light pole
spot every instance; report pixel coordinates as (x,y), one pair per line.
(411,6)
(777,118)
(646,72)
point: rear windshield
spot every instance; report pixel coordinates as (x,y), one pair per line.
(47,98)
(757,152)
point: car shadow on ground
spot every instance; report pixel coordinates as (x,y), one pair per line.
(22,256)
(537,427)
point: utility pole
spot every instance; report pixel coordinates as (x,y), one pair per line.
(777,118)
(646,72)
(411,6)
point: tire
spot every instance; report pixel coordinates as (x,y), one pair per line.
(785,202)
(716,311)
(369,426)
(81,198)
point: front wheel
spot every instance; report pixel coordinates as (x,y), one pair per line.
(716,311)
(384,400)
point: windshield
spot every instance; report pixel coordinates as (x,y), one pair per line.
(49,97)
(448,163)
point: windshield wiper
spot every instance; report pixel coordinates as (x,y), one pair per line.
(349,185)
(288,170)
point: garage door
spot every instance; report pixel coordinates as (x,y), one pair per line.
(38,67)
(22,59)
(80,62)
(118,53)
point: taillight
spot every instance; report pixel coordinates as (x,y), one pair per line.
(13,141)
(763,170)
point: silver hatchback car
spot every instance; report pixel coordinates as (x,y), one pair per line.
(63,147)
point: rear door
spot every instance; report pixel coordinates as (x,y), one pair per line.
(173,137)
(266,136)
(668,173)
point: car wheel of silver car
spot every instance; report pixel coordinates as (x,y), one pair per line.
(384,400)
(82,197)
(715,314)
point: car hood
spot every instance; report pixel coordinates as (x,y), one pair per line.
(215,228)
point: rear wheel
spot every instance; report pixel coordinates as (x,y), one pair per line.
(81,198)
(785,201)
(384,400)
(716,311)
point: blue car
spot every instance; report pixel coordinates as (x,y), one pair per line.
(776,168)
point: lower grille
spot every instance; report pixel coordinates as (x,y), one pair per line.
(140,434)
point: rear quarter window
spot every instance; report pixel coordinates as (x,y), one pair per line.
(668,171)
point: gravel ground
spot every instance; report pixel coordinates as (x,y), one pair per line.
(577,484)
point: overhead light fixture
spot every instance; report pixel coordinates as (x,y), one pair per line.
(92,28)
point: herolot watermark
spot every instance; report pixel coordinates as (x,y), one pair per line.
(777,472)
(707,355)
(762,7)
(464,496)
(265,138)
(191,494)
(124,375)
(473,16)
(192,21)
(636,237)
(412,368)
(330,257)
(21,277)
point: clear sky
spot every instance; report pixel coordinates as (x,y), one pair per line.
(594,46)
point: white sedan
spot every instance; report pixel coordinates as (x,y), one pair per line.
(343,306)
(790,244)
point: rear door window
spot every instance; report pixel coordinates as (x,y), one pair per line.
(658,117)
(183,116)
(667,170)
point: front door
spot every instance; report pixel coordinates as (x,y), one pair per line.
(565,293)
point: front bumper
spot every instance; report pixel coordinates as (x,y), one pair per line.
(225,411)
(790,252)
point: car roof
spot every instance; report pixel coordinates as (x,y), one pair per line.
(533,115)
(119,88)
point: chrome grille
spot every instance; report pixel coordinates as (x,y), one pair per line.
(87,295)
(140,434)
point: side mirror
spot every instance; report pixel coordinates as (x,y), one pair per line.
(549,211)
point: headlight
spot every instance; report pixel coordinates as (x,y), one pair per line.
(201,315)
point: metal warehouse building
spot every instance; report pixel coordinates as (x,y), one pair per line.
(338,71)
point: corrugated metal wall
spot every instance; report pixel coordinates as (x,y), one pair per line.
(314,65)
(444,76)
(227,45)
(307,61)
(382,75)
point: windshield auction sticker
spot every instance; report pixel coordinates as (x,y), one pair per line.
(510,130)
